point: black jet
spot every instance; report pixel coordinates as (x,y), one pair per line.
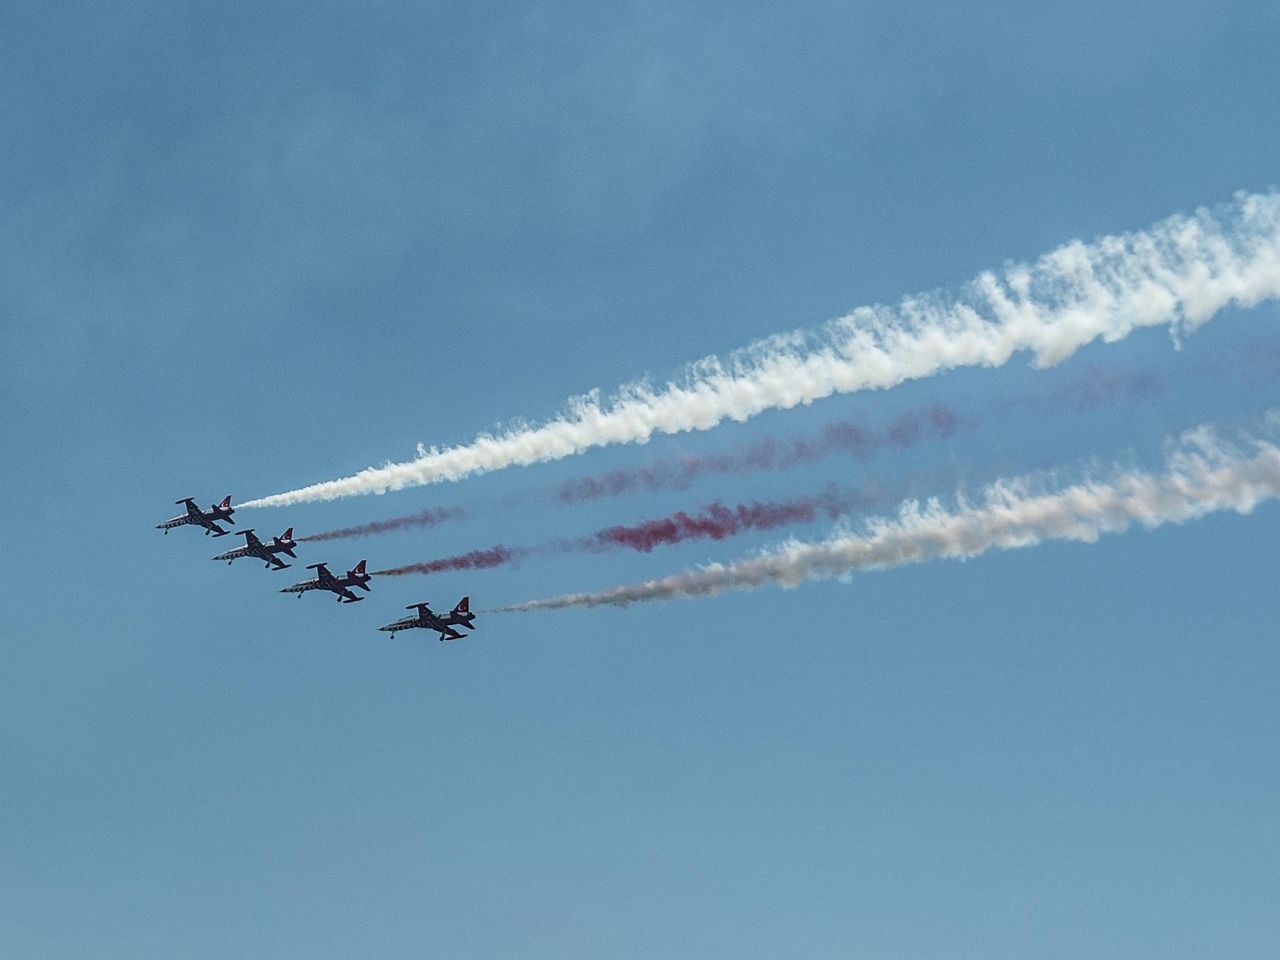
(253,547)
(324,580)
(209,520)
(461,615)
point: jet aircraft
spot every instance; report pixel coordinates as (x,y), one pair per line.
(461,615)
(324,580)
(209,520)
(253,547)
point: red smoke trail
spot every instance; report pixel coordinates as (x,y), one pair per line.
(938,422)
(1091,389)
(427,518)
(1095,388)
(714,522)
(475,560)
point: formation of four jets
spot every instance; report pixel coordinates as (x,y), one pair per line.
(459,616)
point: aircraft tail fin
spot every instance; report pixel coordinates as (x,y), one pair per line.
(462,613)
(287,535)
(226,502)
(358,569)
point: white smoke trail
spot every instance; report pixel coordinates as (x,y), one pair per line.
(1203,474)
(1180,272)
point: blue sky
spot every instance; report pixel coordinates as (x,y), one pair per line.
(256,247)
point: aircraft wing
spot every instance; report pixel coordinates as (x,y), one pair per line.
(217,530)
(347,595)
(323,577)
(448,633)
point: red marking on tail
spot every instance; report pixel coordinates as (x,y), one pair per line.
(359,567)
(225,503)
(287,535)
(462,605)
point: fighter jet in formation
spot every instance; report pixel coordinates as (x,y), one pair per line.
(461,615)
(253,547)
(324,580)
(357,576)
(209,520)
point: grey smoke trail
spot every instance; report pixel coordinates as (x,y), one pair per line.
(422,520)
(1203,474)
(1180,272)
(860,442)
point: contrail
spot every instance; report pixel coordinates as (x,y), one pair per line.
(714,522)
(1203,474)
(1180,272)
(425,519)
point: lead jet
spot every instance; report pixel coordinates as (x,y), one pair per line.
(253,547)
(324,580)
(209,520)
(461,615)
